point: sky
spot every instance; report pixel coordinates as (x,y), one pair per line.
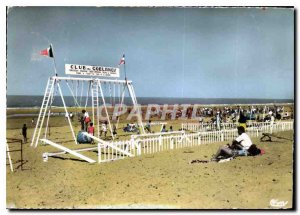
(169,52)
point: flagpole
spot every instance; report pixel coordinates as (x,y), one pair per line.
(125,71)
(53,59)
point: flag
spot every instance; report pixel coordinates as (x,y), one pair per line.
(47,52)
(122,60)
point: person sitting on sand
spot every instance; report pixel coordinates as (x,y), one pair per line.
(126,128)
(239,146)
(171,128)
(164,129)
(148,126)
(243,142)
(132,127)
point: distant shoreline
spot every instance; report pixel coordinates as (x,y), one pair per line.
(36,101)
(143,106)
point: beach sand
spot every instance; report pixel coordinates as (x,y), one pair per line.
(162,180)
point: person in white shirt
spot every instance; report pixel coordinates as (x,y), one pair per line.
(104,128)
(86,119)
(238,147)
(242,143)
(272,119)
(71,116)
(66,116)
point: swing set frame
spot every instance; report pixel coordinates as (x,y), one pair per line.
(96,91)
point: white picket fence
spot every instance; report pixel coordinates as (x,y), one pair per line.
(153,143)
(266,126)
(165,141)
(107,153)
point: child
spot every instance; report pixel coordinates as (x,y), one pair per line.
(91,130)
(86,119)
(114,130)
(24,133)
(104,128)
(101,130)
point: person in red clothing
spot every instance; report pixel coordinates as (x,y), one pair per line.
(91,130)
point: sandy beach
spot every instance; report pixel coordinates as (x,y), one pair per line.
(161,180)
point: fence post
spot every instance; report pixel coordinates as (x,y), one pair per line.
(139,148)
(159,140)
(172,143)
(99,153)
(222,135)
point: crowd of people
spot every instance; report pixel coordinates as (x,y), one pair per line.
(229,113)
(213,115)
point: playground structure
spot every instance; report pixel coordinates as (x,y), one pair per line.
(191,134)
(99,90)
(94,89)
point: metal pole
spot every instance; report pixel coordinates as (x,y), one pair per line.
(40,114)
(51,98)
(133,97)
(21,154)
(9,158)
(55,71)
(122,100)
(125,72)
(106,110)
(88,92)
(62,98)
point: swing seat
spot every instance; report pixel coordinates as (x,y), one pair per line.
(81,138)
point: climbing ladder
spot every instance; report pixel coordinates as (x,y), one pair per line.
(95,104)
(43,110)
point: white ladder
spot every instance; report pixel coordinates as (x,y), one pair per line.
(95,104)
(43,111)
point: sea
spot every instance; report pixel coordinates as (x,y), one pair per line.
(17,101)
